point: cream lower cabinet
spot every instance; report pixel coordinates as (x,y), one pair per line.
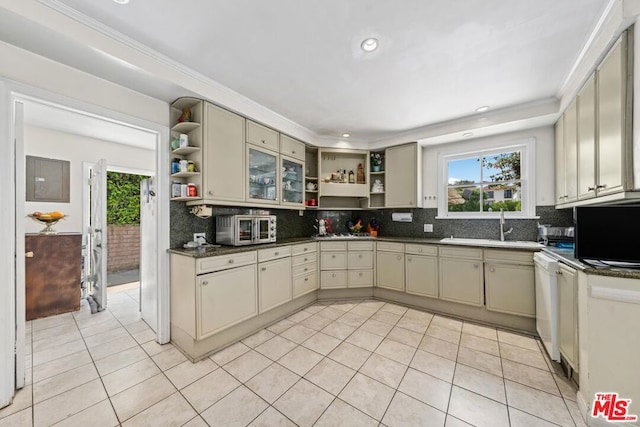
(421,270)
(274,277)
(304,268)
(461,275)
(390,265)
(211,294)
(509,280)
(568,314)
(226,298)
(346,265)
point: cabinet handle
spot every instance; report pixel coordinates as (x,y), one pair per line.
(333,275)
(399,257)
(475,265)
(264,142)
(559,272)
(409,259)
(591,188)
(205,282)
(420,250)
(333,256)
(29,254)
(305,269)
(305,249)
(360,274)
(306,259)
(306,279)
(230,261)
(293,151)
(601,186)
(276,253)
(210,193)
(492,269)
(360,256)
(263,269)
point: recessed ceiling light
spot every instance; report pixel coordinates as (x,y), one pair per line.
(121,1)
(346,135)
(369,45)
(467,134)
(482,109)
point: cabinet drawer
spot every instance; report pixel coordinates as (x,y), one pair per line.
(360,259)
(274,253)
(390,247)
(468,253)
(333,246)
(303,249)
(333,279)
(291,147)
(360,278)
(303,259)
(303,269)
(421,249)
(305,284)
(222,262)
(333,260)
(515,257)
(360,246)
(262,136)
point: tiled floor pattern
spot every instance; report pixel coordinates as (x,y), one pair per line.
(340,363)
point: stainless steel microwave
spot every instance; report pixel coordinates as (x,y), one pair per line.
(239,230)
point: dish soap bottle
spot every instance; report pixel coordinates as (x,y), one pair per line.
(352,177)
(360,177)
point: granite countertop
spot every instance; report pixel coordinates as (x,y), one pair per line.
(566,256)
(563,255)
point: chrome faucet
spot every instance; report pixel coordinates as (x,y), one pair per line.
(502,231)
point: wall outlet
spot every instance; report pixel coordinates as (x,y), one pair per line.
(200,237)
(428,228)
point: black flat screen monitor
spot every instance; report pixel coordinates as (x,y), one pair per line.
(607,233)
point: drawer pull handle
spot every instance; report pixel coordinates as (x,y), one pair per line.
(333,275)
(264,142)
(276,253)
(360,256)
(333,256)
(305,249)
(306,279)
(420,250)
(305,269)
(205,282)
(360,274)
(306,259)
(408,259)
(263,269)
(293,151)
(230,261)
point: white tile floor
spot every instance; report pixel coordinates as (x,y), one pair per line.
(347,363)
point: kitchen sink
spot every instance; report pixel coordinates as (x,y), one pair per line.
(517,244)
(346,236)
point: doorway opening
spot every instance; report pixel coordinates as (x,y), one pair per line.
(124,234)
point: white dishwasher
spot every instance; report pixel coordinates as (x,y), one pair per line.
(546,269)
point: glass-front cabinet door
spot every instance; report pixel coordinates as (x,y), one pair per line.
(292,186)
(262,182)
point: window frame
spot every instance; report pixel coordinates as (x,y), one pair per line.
(526,147)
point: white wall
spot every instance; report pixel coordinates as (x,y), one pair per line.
(544,153)
(77,149)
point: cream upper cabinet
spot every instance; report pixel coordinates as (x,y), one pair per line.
(587,140)
(223,171)
(461,275)
(509,279)
(292,147)
(559,160)
(571,153)
(402,177)
(568,314)
(262,136)
(421,275)
(614,155)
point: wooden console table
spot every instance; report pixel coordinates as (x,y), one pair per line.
(52,274)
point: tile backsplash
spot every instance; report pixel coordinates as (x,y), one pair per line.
(292,224)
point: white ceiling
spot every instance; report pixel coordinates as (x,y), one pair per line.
(438,60)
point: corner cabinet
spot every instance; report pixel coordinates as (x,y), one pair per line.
(403,182)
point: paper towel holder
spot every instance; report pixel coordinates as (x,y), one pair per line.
(402,217)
